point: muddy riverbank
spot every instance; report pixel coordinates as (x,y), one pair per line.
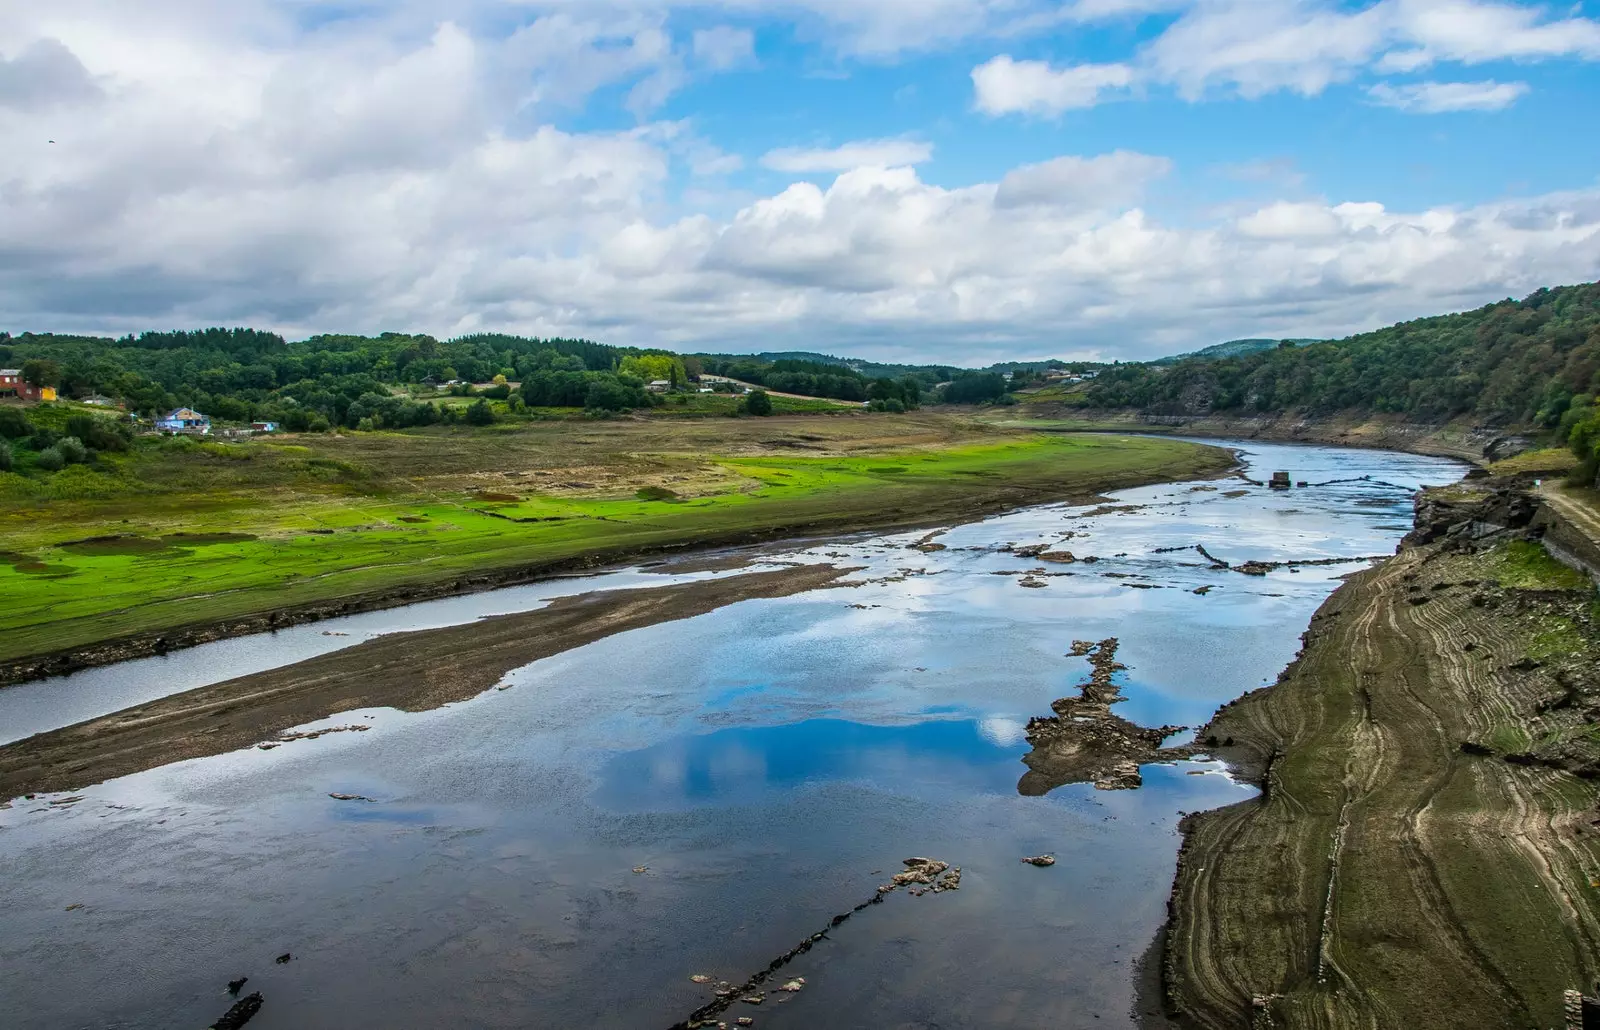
(1425,845)
(955,506)
(410,671)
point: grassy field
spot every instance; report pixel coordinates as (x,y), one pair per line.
(181,532)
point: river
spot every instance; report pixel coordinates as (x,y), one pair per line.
(766,766)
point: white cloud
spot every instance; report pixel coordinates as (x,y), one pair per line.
(1005,86)
(232,169)
(870,153)
(724,47)
(1255,47)
(1442,97)
(1108,180)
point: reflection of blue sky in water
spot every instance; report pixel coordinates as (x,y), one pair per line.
(739,766)
(763,761)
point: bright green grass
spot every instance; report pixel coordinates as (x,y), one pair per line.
(52,597)
(1528,566)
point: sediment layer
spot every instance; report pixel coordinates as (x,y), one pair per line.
(409,671)
(1425,851)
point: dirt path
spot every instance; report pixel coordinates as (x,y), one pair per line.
(1388,877)
(410,671)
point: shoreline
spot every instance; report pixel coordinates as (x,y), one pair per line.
(412,671)
(1364,432)
(1423,829)
(957,510)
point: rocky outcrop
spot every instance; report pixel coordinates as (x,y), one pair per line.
(1084,742)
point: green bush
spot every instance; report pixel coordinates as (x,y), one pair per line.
(757,402)
(72,450)
(6,459)
(14,425)
(51,460)
(480,414)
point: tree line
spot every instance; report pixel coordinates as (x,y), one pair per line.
(1513,363)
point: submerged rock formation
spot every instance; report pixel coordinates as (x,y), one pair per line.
(1084,742)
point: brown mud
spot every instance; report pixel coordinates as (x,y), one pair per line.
(1426,849)
(413,672)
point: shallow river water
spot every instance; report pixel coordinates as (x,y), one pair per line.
(767,765)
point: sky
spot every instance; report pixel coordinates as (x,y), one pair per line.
(957,181)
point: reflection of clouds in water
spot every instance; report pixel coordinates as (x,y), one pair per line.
(669,770)
(730,766)
(1003,730)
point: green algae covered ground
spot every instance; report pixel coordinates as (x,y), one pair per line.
(194,533)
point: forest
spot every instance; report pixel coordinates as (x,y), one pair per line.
(1514,363)
(239,375)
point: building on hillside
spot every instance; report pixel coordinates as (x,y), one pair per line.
(184,420)
(659,385)
(264,427)
(13,385)
(99,401)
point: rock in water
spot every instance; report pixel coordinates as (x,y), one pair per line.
(234,985)
(1041,860)
(242,1012)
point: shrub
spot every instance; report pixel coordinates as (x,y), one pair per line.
(480,414)
(758,403)
(6,458)
(14,425)
(51,460)
(72,450)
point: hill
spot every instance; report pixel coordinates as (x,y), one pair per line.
(1525,364)
(1232,349)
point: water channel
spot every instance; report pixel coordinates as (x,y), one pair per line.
(766,766)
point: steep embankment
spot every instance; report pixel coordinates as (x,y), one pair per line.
(1425,852)
(1347,429)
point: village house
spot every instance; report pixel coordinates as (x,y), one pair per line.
(264,427)
(659,385)
(13,385)
(184,420)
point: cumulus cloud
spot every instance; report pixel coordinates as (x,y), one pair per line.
(44,73)
(1108,180)
(1005,86)
(1255,47)
(870,153)
(1441,97)
(238,171)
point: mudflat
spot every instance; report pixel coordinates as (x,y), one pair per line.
(1425,846)
(223,539)
(410,671)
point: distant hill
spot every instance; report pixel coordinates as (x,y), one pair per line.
(1524,363)
(1232,349)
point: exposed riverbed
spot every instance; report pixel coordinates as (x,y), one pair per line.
(766,765)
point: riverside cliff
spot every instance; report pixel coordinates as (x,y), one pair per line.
(1426,849)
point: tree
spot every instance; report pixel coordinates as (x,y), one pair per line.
(758,403)
(6,457)
(480,414)
(41,372)
(50,460)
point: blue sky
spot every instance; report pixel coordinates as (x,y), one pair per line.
(954,180)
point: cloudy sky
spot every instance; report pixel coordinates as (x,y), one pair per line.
(954,180)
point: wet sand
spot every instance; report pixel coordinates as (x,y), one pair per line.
(409,671)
